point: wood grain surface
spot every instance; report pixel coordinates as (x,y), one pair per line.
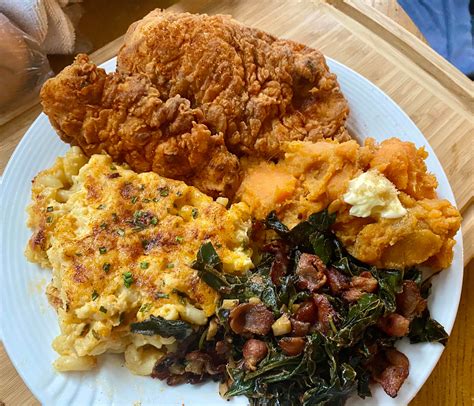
(369,37)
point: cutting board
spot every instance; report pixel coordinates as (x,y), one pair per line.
(436,96)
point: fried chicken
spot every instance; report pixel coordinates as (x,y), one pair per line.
(190,92)
(256,89)
(315,176)
(125,116)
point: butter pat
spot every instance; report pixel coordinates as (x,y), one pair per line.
(372,194)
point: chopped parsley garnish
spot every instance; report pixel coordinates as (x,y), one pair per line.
(145,307)
(154,221)
(121,232)
(144,265)
(155,200)
(114,217)
(146,200)
(49,219)
(101,206)
(179,239)
(106,267)
(49,209)
(127,279)
(102,250)
(164,191)
(160,295)
(95,295)
(134,199)
(194,212)
(95,333)
(179,193)
(145,244)
(113,167)
(78,254)
(102,309)
(142,187)
(103,225)
(170,265)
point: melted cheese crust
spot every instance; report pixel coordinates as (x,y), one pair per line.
(99,225)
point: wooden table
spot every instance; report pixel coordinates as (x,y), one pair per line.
(437,97)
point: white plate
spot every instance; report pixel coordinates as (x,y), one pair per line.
(29,324)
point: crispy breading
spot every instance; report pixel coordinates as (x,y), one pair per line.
(256,89)
(190,92)
(125,116)
(312,177)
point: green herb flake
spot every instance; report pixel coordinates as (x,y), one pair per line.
(102,250)
(127,279)
(114,217)
(101,207)
(154,221)
(49,209)
(103,226)
(102,309)
(95,295)
(194,212)
(146,200)
(145,307)
(78,254)
(113,167)
(170,265)
(155,200)
(144,265)
(121,232)
(49,219)
(160,295)
(134,199)
(179,239)
(164,191)
(106,267)
(95,334)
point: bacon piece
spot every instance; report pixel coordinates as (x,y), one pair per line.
(310,271)
(299,328)
(307,312)
(410,304)
(364,283)
(337,281)
(200,363)
(390,369)
(280,264)
(292,345)
(394,325)
(326,313)
(251,318)
(254,351)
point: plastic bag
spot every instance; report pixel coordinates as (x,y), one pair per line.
(23,70)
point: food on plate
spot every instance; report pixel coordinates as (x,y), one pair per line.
(297,292)
(120,245)
(193,87)
(314,176)
(256,89)
(310,324)
(126,116)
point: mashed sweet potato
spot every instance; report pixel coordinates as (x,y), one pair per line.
(314,176)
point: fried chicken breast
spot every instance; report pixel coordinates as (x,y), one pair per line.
(256,89)
(125,116)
